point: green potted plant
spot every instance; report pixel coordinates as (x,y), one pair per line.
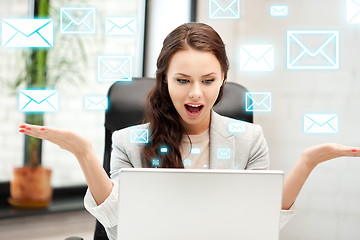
(31,185)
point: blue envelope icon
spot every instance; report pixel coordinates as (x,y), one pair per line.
(139,136)
(256,58)
(279,11)
(320,123)
(113,68)
(313,49)
(38,100)
(155,163)
(223,153)
(224,8)
(120,26)
(236,127)
(32,33)
(96,103)
(77,20)
(258,101)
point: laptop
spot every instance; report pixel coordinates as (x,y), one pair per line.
(183,204)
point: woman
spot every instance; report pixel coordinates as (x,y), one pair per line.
(191,73)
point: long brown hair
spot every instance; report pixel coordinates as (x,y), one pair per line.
(165,128)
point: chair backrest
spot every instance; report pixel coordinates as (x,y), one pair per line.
(127,105)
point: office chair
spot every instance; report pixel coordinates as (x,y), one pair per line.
(126,108)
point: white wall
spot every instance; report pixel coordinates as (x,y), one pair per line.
(329,200)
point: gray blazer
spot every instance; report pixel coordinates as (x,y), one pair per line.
(248,150)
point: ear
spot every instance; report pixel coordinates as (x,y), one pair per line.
(165,80)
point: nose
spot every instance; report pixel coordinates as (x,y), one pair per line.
(195,92)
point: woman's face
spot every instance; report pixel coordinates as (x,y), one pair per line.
(194,79)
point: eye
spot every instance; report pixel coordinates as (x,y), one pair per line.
(182,80)
(208,81)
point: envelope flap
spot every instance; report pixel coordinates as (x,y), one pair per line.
(38,95)
(28,27)
(114,63)
(97,100)
(121,22)
(259,98)
(139,136)
(321,119)
(224,4)
(279,8)
(78,15)
(236,125)
(140,133)
(257,51)
(223,152)
(313,41)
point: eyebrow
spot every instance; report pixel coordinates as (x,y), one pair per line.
(183,74)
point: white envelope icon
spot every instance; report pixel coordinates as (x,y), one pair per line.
(224,8)
(223,153)
(258,101)
(155,163)
(120,26)
(38,100)
(34,33)
(313,49)
(139,136)
(96,103)
(163,150)
(256,58)
(236,127)
(77,20)
(113,68)
(320,123)
(279,11)
(353,11)
(187,162)
(195,150)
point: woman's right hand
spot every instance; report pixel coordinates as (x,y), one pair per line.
(97,179)
(65,139)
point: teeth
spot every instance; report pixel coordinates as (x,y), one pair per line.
(194,105)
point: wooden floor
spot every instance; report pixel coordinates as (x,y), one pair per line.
(49,227)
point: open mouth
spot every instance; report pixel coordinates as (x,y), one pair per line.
(193,110)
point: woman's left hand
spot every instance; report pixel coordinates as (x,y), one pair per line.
(320,153)
(309,159)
